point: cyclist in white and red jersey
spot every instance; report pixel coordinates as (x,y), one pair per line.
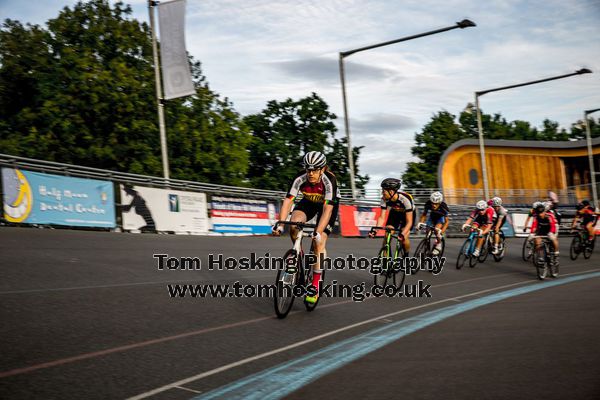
(320,197)
(500,217)
(482,217)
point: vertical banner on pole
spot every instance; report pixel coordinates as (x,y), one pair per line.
(177,77)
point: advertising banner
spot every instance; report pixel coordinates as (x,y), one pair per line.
(242,216)
(37,198)
(357,221)
(151,209)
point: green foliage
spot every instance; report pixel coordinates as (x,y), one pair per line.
(82,92)
(284,131)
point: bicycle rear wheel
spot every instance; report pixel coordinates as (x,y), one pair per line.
(284,285)
(485,249)
(575,248)
(588,249)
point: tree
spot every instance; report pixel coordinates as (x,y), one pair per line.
(82,91)
(578,129)
(431,143)
(284,131)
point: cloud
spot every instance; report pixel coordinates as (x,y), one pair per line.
(382,122)
(326,70)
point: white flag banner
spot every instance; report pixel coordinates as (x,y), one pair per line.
(177,77)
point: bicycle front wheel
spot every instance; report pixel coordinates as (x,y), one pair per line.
(588,249)
(527,249)
(399,275)
(382,277)
(284,285)
(539,260)
(462,256)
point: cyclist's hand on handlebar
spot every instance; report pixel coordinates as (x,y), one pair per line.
(316,236)
(421,225)
(524,229)
(276,230)
(372,233)
(464,227)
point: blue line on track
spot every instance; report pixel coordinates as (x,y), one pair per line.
(281,380)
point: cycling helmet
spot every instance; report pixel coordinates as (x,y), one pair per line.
(436,197)
(481,205)
(540,208)
(496,201)
(536,204)
(547,205)
(314,160)
(585,203)
(391,183)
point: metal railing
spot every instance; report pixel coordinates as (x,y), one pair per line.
(366,197)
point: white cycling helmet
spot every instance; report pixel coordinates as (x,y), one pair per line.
(536,204)
(496,201)
(314,160)
(436,197)
(481,205)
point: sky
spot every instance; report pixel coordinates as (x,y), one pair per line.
(254,51)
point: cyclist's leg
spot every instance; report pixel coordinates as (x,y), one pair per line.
(406,242)
(320,250)
(394,221)
(554,241)
(590,229)
(298,215)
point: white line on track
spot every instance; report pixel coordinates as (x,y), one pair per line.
(324,335)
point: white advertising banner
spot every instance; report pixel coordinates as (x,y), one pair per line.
(177,78)
(151,209)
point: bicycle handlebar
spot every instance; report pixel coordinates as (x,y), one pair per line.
(298,224)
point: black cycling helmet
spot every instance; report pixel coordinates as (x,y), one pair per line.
(540,208)
(582,204)
(391,184)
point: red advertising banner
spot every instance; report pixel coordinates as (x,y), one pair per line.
(357,221)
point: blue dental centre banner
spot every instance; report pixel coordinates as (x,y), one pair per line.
(37,198)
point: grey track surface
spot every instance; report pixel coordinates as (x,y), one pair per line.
(99,296)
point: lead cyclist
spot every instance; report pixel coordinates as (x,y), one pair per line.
(318,186)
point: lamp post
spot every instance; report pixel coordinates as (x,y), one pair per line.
(590,155)
(465,23)
(479,125)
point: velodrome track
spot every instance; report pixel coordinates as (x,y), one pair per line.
(87,315)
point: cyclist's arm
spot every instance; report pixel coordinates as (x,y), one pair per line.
(285,208)
(325,216)
(381,218)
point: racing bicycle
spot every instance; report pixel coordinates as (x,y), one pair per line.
(294,273)
(389,274)
(580,244)
(468,247)
(427,245)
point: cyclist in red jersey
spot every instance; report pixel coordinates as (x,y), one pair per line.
(482,217)
(544,224)
(320,197)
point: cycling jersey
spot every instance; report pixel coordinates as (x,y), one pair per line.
(398,210)
(586,215)
(323,192)
(437,212)
(403,204)
(500,213)
(543,226)
(486,219)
